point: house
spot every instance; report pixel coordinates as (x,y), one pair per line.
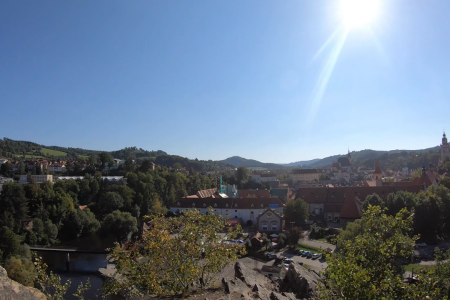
(24,179)
(272,272)
(265,177)
(270,221)
(299,175)
(57,167)
(282,193)
(333,203)
(244,209)
(253,194)
(345,163)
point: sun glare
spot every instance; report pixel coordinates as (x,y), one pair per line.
(357,13)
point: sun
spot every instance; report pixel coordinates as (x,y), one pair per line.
(357,13)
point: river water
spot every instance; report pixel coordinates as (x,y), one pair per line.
(82,266)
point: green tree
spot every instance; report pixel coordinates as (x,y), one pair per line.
(367,265)
(10,242)
(445,181)
(120,224)
(106,159)
(373,200)
(296,211)
(180,253)
(110,202)
(21,269)
(177,166)
(241,175)
(295,235)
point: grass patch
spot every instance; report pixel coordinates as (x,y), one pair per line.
(417,267)
(308,248)
(50,152)
(28,156)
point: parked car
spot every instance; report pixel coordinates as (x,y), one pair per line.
(270,255)
(300,263)
(288,260)
(304,253)
(240,241)
(296,251)
(422,245)
(315,256)
(308,254)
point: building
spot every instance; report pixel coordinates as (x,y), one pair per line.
(253,194)
(445,150)
(282,193)
(270,221)
(243,209)
(299,175)
(377,174)
(24,179)
(57,167)
(265,177)
(332,204)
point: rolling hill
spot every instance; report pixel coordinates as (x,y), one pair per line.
(238,161)
(302,163)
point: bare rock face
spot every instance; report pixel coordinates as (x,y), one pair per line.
(300,281)
(251,277)
(236,287)
(11,290)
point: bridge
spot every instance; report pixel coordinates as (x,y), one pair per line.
(67,251)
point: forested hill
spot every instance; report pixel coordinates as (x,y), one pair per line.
(27,150)
(238,161)
(393,159)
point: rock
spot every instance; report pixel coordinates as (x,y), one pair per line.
(236,286)
(260,292)
(282,296)
(300,281)
(9,289)
(251,277)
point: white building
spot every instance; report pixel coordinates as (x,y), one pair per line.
(24,179)
(245,209)
(4,180)
(304,175)
(260,178)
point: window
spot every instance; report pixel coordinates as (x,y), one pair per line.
(235,205)
(226,205)
(264,225)
(215,204)
(193,204)
(178,204)
(262,205)
(204,205)
(269,215)
(274,226)
(235,210)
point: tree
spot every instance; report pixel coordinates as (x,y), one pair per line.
(296,211)
(445,181)
(182,253)
(13,200)
(367,265)
(21,270)
(295,235)
(373,200)
(120,224)
(9,242)
(110,202)
(241,175)
(177,166)
(106,159)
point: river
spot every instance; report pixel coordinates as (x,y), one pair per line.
(82,266)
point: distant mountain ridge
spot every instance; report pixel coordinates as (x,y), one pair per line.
(238,161)
(302,163)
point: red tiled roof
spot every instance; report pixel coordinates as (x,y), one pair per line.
(377,168)
(336,165)
(206,193)
(351,208)
(235,203)
(251,193)
(344,162)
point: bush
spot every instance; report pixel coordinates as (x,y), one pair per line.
(249,223)
(318,232)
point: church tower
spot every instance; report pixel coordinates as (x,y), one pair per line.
(445,149)
(377,174)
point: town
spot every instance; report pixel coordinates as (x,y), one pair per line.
(313,204)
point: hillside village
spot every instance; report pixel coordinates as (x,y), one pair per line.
(258,201)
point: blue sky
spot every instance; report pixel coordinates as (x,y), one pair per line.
(213,79)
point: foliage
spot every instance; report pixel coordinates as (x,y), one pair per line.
(10,242)
(366,266)
(50,284)
(317,231)
(295,235)
(21,269)
(373,200)
(168,259)
(296,211)
(120,224)
(241,175)
(79,223)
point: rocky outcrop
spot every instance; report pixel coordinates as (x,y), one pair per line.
(251,277)
(300,281)
(11,290)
